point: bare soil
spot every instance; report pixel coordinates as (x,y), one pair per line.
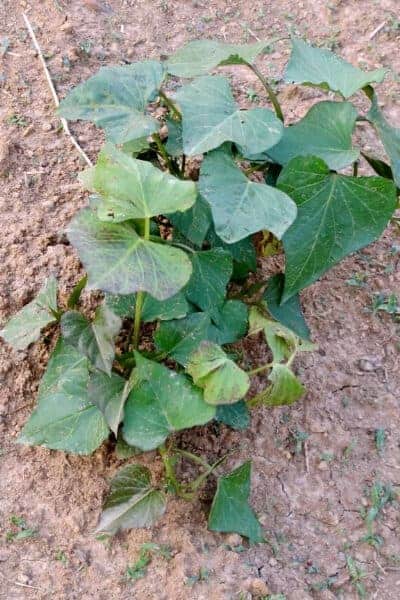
(309,495)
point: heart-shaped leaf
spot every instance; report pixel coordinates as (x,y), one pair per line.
(390,137)
(161,403)
(337,215)
(289,313)
(109,393)
(25,327)
(222,380)
(212,117)
(322,67)
(116,99)
(135,189)
(132,501)
(200,56)
(285,388)
(195,222)
(94,339)
(236,415)
(179,339)
(65,418)
(239,206)
(212,270)
(175,307)
(230,510)
(325,132)
(117,260)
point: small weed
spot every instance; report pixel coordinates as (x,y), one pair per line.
(357,280)
(380,495)
(252,95)
(146,553)
(202,575)
(85,46)
(325,584)
(20,530)
(299,438)
(385,303)
(347,452)
(327,457)
(356,576)
(380,440)
(61,557)
(18,120)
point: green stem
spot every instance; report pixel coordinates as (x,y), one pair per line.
(140,296)
(259,369)
(163,153)
(170,105)
(271,94)
(160,240)
(193,457)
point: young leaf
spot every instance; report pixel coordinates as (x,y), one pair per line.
(161,403)
(119,261)
(109,393)
(230,510)
(212,117)
(239,206)
(65,418)
(135,189)
(25,327)
(281,340)
(325,132)
(94,339)
(212,270)
(175,307)
(337,215)
(285,388)
(230,323)
(195,222)
(390,137)
(180,338)
(124,450)
(74,297)
(236,415)
(222,380)
(135,147)
(200,56)
(116,99)
(132,501)
(289,313)
(322,67)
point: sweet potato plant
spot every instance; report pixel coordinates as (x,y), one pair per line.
(179,203)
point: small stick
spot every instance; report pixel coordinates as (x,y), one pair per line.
(305,446)
(53,91)
(377,30)
(24,585)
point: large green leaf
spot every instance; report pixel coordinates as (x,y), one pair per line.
(230,510)
(236,415)
(132,501)
(65,418)
(212,117)
(390,137)
(109,393)
(195,222)
(325,132)
(179,339)
(175,307)
(337,215)
(322,67)
(25,327)
(94,339)
(289,313)
(117,260)
(163,402)
(285,388)
(212,270)
(200,56)
(116,99)
(240,206)
(230,323)
(135,189)
(222,380)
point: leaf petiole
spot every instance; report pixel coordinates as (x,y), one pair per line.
(268,88)
(169,104)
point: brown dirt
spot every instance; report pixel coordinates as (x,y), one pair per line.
(308,499)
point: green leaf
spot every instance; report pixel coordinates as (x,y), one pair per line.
(379,166)
(135,189)
(289,313)
(236,415)
(117,260)
(180,338)
(337,215)
(195,222)
(132,501)
(239,206)
(243,253)
(74,297)
(25,327)
(230,510)
(175,307)
(323,68)
(65,418)
(116,99)
(212,117)
(174,145)
(200,56)
(163,402)
(109,393)
(94,339)
(325,132)
(230,323)
(222,380)
(135,147)
(212,270)
(390,137)
(285,388)
(124,450)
